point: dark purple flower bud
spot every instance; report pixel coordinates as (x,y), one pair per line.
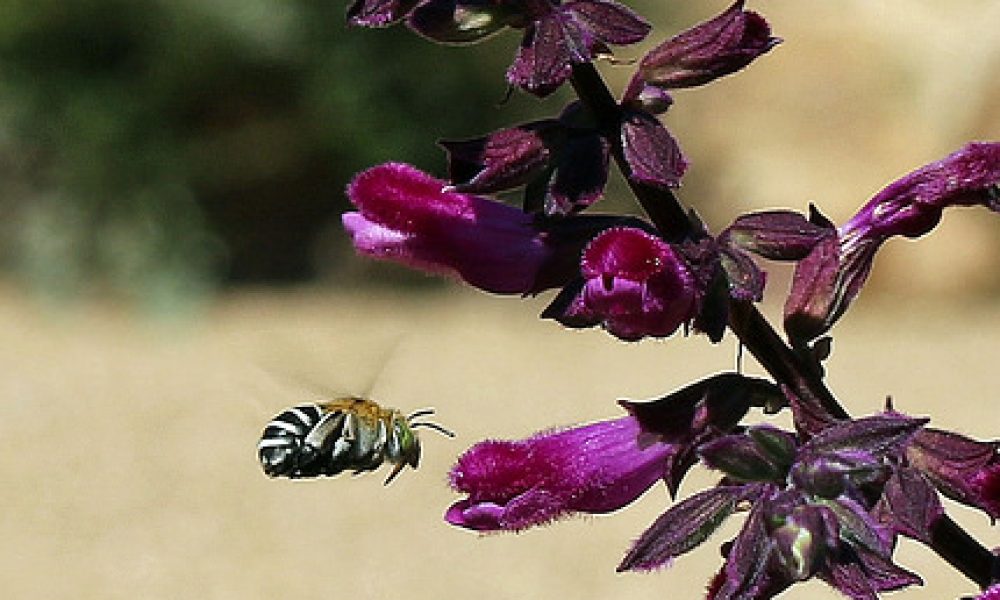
(717,47)
(651,152)
(596,468)
(559,36)
(502,160)
(776,234)
(635,285)
(814,302)
(378,13)
(685,526)
(912,206)
(405,216)
(963,469)
(564,162)
(831,276)
(993,593)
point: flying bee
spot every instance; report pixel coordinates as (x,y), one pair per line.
(352,433)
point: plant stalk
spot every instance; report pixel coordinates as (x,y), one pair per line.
(949,541)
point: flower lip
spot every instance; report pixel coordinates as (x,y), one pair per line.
(634,284)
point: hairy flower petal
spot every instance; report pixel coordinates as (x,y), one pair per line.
(513,485)
(635,285)
(405,216)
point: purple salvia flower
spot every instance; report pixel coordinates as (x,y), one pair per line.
(513,485)
(993,593)
(717,47)
(831,276)
(405,216)
(635,285)
(799,525)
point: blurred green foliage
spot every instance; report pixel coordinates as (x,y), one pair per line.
(154,149)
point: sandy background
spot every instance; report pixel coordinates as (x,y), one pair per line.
(129,468)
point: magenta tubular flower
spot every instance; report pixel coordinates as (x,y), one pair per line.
(404,216)
(993,593)
(635,285)
(513,485)
(831,276)
(717,47)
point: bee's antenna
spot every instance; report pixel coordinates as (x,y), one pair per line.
(438,428)
(423,412)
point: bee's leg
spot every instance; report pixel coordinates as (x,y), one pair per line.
(396,470)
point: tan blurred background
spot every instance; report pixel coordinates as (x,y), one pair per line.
(134,387)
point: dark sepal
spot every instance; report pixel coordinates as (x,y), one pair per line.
(651,152)
(683,527)
(777,235)
(909,505)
